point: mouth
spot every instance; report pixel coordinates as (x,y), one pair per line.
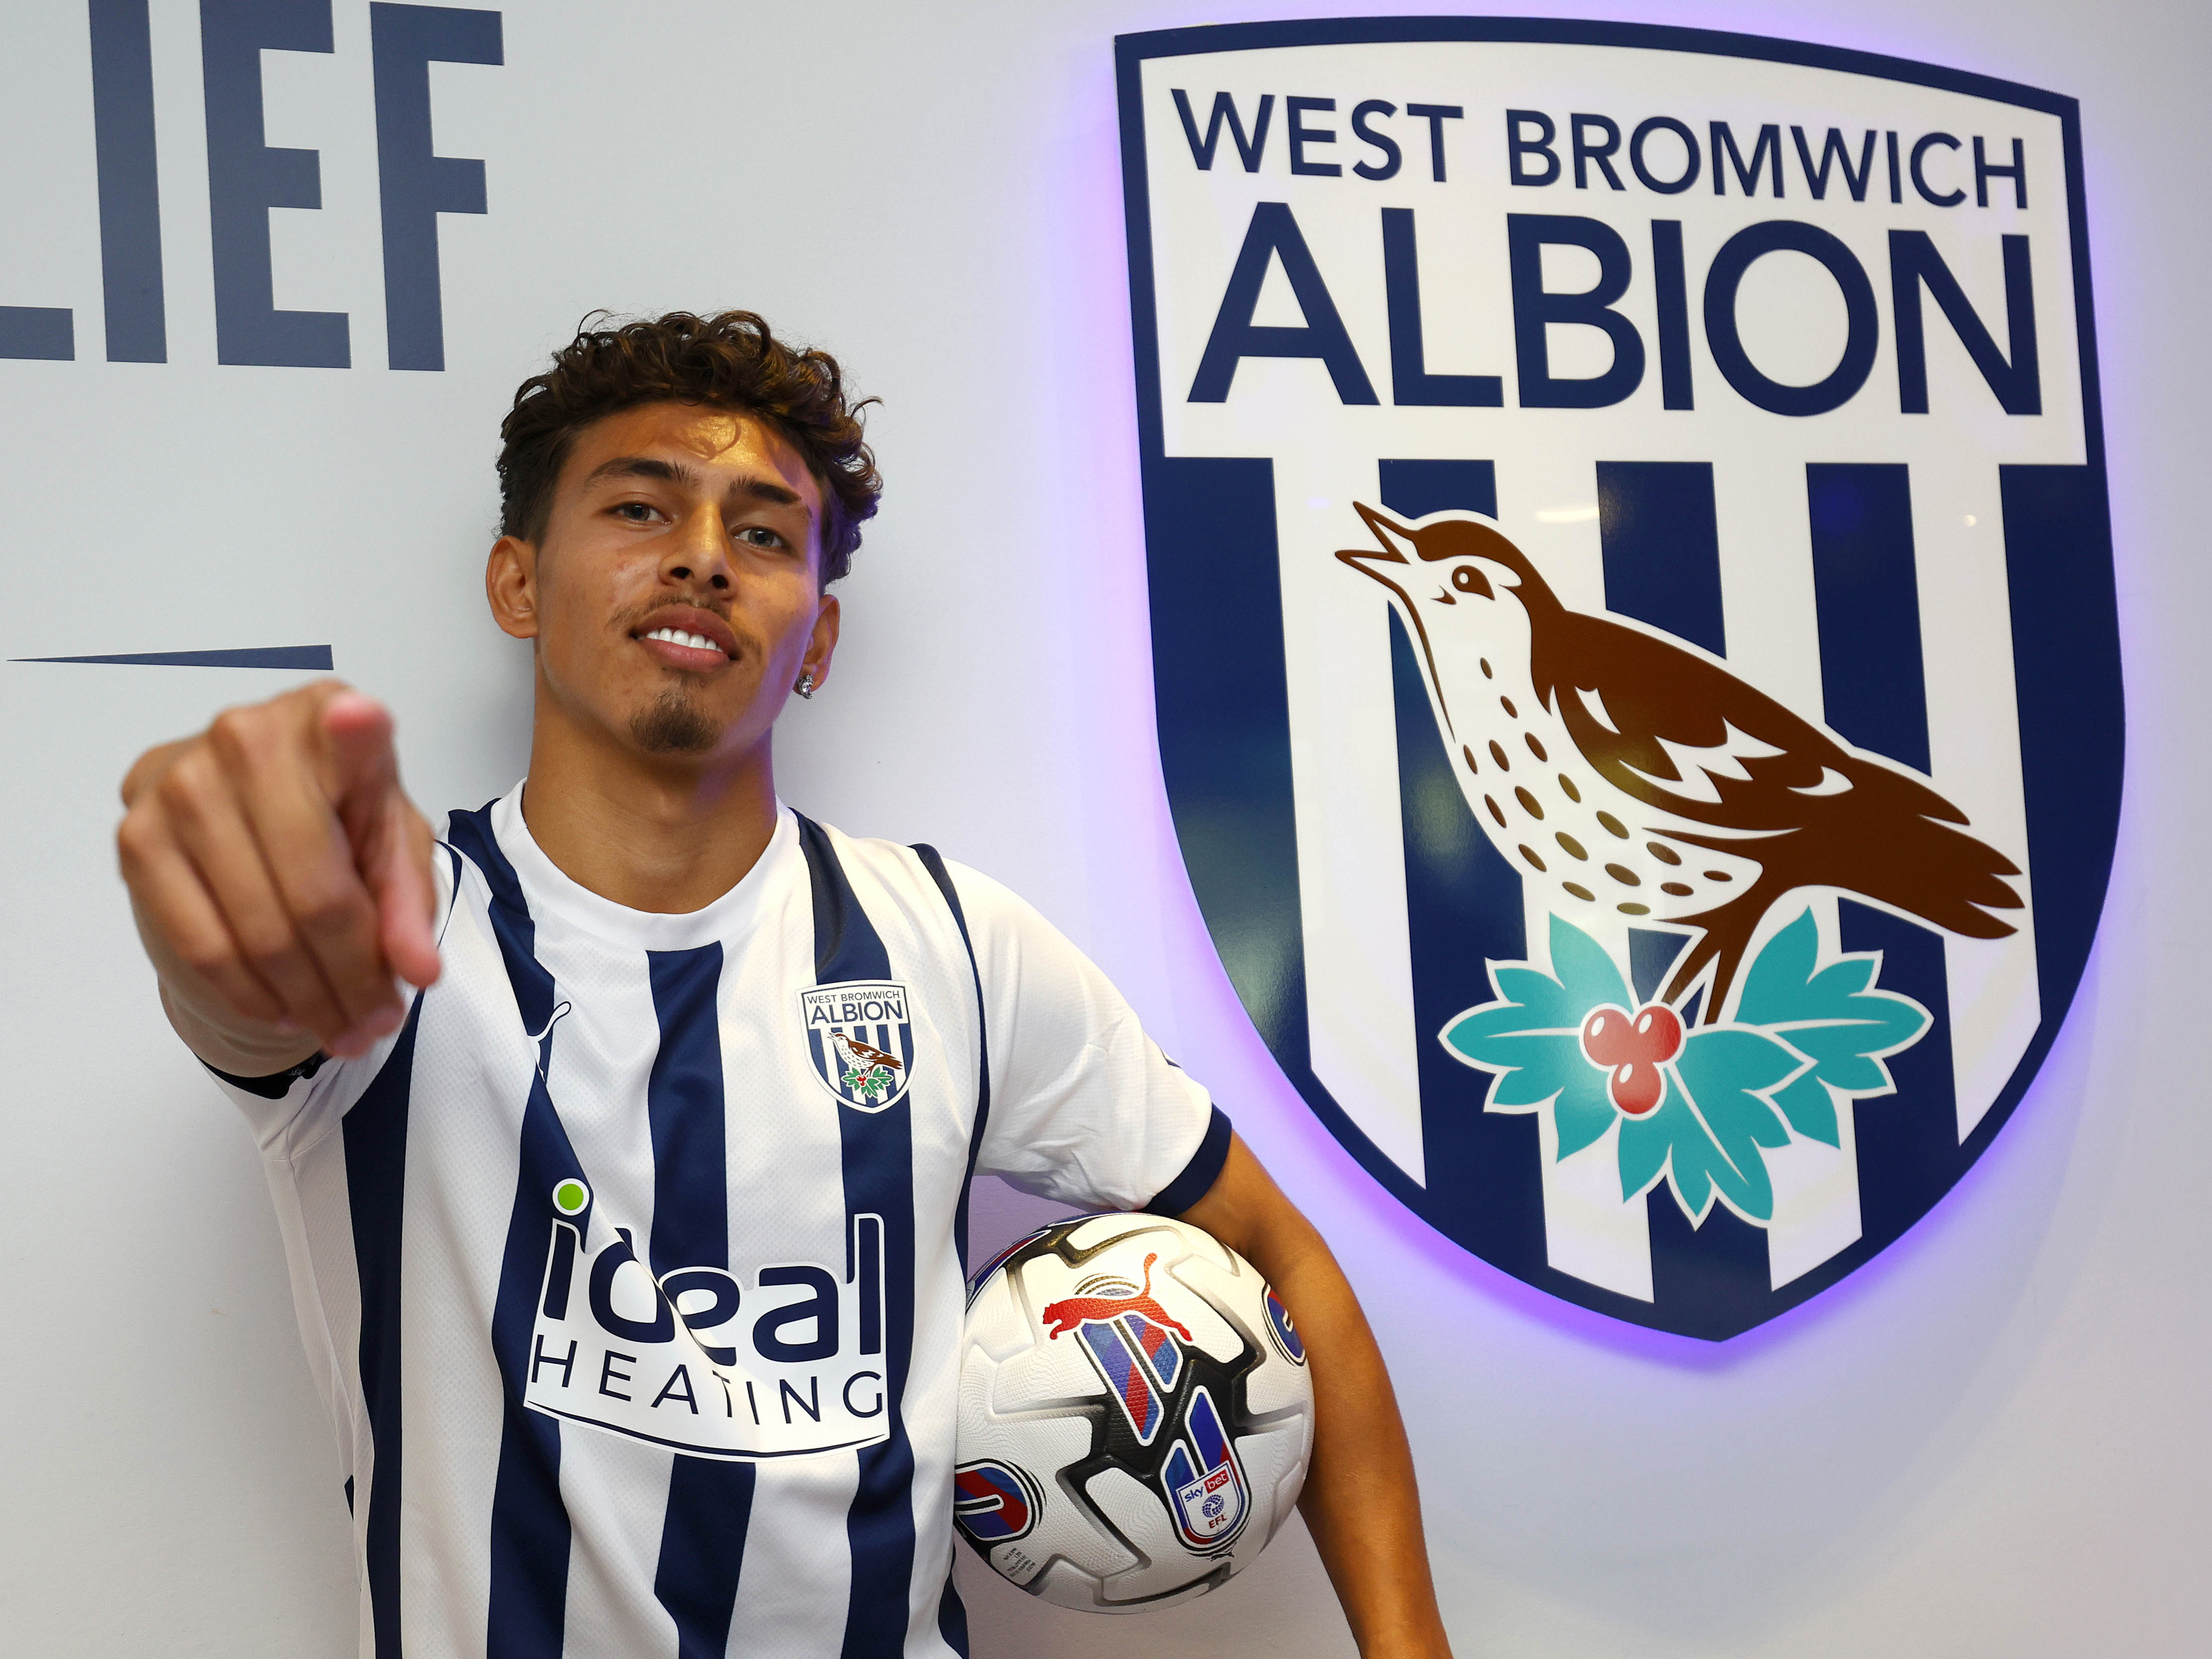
(684,637)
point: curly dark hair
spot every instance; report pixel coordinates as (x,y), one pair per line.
(728,361)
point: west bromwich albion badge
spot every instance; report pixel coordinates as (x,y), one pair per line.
(860,1041)
(1632,616)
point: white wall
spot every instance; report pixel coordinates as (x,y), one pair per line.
(1990,1442)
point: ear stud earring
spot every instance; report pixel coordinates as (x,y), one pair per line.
(805,686)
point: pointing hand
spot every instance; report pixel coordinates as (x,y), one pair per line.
(281,879)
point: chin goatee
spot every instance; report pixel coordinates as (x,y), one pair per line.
(673,727)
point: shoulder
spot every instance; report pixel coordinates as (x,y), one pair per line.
(951,904)
(465,839)
(922,869)
(874,868)
(464,845)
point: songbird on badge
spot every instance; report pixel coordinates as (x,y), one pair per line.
(1626,772)
(861,1056)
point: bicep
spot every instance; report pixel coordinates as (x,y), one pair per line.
(1248,1212)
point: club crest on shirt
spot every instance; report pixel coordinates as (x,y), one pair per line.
(860,1041)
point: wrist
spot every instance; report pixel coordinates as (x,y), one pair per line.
(1422,1638)
(1436,1645)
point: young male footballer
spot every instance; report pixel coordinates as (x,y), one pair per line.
(638,1052)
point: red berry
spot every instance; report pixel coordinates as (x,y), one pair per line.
(1631,1051)
(1605,1037)
(1658,1032)
(1637,1086)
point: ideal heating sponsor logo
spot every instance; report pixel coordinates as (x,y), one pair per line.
(788,1362)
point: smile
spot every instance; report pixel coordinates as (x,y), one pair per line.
(687,639)
(677,636)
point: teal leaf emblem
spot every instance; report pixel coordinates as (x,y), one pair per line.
(1835,1017)
(1707,1132)
(1531,1037)
(1732,1092)
(868,1081)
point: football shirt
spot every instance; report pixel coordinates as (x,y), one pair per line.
(630,1268)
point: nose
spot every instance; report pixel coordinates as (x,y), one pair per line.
(698,552)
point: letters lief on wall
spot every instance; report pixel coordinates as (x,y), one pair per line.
(1634,623)
(246,177)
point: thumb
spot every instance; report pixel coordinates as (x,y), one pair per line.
(392,845)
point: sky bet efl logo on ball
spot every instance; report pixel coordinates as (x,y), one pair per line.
(1633,619)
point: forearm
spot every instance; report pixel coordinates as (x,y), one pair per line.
(1360,1501)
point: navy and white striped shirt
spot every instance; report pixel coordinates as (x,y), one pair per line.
(630,1265)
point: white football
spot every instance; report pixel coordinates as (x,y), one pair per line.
(1135,1413)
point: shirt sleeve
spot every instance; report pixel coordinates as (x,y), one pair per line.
(1086,1110)
(289,1111)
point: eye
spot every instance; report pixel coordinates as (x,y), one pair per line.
(759,535)
(635,512)
(1466,578)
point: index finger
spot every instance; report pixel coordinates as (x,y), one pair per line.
(389,841)
(279,774)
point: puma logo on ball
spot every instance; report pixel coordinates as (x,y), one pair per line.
(1065,1315)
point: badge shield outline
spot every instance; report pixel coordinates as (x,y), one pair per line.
(885,1045)
(1224,733)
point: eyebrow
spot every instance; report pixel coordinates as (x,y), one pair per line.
(650,466)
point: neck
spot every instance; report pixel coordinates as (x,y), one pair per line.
(663,834)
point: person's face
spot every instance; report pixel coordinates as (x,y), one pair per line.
(674,595)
